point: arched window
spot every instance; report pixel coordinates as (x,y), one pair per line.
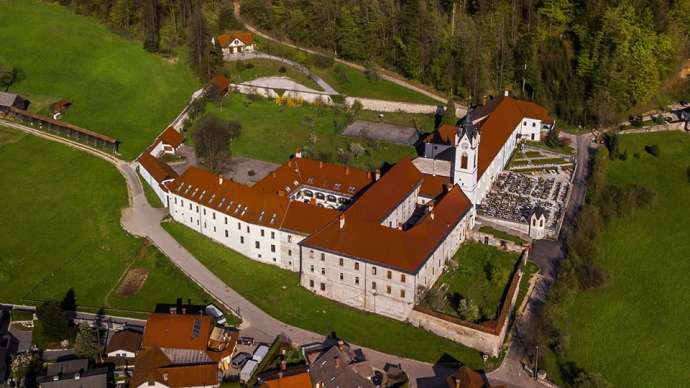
(541,223)
(463,160)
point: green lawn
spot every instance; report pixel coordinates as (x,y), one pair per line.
(356,84)
(117,88)
(278,293)
(273,133)
(501,234)
(635,330)
(60,229)
(423,122)
(243,71)
(471,280)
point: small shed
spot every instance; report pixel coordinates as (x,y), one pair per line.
(11,100)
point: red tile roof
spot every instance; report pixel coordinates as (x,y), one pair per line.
(250,204)
(171,137)
(128,340)
(177,331)
(299,380)
(225,39)
(327,176)
(363,237)
(159,170)
(433,185)
(152,365)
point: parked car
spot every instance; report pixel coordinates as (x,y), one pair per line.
(216,314)
(239,359)
(246,341)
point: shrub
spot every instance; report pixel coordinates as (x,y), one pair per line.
(658,119)
(341,74)
(282,69)
(653,150)
(611,142)
(636,155)
(636,121)
(468,311)
(322,61)
(53,321)
(623,156)
(250,65)
(371,73)
(552,139)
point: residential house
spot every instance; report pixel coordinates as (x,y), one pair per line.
(468,378)
(124,344)
(235,42)
(334,364)
(180,350)
(11,100)
(75,374)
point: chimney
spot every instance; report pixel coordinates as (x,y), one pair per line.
(289,163)
(431,206)
(337,362)
(220,180)
(432,215)
(341,345)
(342,224)
(283,364)
(506,93)
(274,174)
(320,163)
(447,187)
(298,153)
(457,382)
(184,310)
(347,170)
(172,310)
(377,175)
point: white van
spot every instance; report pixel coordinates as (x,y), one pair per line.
(216,314)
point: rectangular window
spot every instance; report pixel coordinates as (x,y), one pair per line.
(247,228)
(323,286)
(256,244)
(226,220)
(373,270)
(340,261)
(357,280)
(402,293)
(204,211)
(181,202)
(273,235)
(239,226)
(226,233)
(241,240)
(389,275)
(373,285)
(175,200)
(323,271)
(311,283)
(190,206)
(289,238)
(273,248)
(262,233)
(402,277)
(197,208)
(311,268)
(289,252)
(388,289)
(357,266)
(341,276)
(323,257)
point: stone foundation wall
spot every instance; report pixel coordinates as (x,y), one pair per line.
(488,337)
(264,91)
(396,106)
(496,242)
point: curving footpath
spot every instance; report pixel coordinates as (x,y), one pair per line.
(359,67)
(140,219)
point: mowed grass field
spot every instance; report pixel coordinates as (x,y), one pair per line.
(116,87)
(272,133)
(60,230)
(635,331)
(278,293)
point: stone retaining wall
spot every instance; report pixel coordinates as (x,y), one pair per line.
(489,336)
(677,126)
(268,92)
(490,239)
(396,106)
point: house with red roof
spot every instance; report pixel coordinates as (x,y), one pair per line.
(235,42)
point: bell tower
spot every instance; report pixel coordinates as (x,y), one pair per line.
(465,164)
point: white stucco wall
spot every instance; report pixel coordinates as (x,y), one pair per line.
(146,176)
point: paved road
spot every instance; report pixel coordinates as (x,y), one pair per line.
(142,220)
(547,255)
(385,76)
(246,56)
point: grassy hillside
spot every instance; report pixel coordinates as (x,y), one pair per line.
(117,88)
(634,330)
(60,229)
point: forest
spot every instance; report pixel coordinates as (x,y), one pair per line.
(591,62)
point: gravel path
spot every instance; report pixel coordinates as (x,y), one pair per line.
(323,84)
